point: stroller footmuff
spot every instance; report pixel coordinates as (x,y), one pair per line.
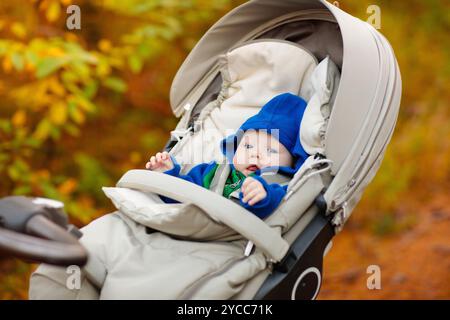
(206,246)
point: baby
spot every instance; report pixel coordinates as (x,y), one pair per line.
(266,142)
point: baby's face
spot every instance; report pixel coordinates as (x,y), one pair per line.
(258,150)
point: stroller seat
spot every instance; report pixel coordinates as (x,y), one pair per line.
(208,247)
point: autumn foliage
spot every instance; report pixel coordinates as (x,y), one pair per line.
(78,108)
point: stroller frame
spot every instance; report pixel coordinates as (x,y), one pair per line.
(299,274)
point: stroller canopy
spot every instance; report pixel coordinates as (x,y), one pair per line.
(366,104)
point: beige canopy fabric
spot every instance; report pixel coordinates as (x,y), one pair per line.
(243,23)
(366,105)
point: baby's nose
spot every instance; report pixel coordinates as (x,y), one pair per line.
(254,154)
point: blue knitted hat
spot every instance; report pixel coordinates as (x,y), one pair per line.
(283,113)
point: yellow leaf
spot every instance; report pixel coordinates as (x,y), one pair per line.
(78,116)
(42,130)
(58,113)
(104,45)
(103,69)
(53,11)
(55,52)
(55,87)
(18,29)
(7,64)
(71,37)
(135,157)
(29,67)
(86,105)
(44,4)
(68,186)
(19,118)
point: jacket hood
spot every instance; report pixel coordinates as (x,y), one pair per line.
(281,117)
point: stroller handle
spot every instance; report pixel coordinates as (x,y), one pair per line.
(39,239)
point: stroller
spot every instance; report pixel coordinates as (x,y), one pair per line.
(206,246)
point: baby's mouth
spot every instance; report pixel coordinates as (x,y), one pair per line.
(252,168)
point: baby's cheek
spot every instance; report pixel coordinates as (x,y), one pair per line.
(286,160)
(274,160)
(236,162)
(240,158)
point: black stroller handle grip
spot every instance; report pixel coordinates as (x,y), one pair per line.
(36,229)
(42,227)
(60,247)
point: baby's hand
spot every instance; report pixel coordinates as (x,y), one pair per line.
(253,191)
(160,163)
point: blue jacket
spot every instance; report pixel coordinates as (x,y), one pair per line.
(262,209)
(281,117)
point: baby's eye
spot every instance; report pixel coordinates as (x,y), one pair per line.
(272,150)
(248,146)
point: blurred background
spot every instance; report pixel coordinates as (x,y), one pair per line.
(78,108)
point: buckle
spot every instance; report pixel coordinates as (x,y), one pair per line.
(340,216)
(249,248)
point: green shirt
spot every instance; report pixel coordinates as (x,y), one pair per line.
(233,183)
